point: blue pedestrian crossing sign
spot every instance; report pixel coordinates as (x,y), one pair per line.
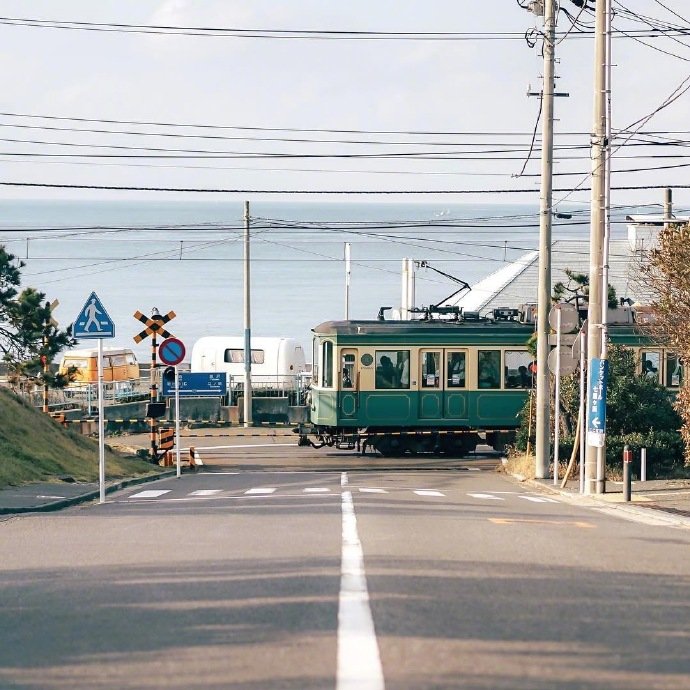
(93,321)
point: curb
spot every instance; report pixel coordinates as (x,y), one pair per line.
(88,496)
(592,501)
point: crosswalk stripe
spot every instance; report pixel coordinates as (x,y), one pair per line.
(373,491)
(428,492)
(260,490)
(487,497)
(538,499)
(316,490)
(150,493)
(206,492)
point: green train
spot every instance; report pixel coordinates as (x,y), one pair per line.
(433,385)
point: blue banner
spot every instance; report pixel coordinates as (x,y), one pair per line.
(596,403)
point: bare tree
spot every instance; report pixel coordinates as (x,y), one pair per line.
(666,274)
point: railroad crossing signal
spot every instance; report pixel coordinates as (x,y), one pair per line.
(154,325)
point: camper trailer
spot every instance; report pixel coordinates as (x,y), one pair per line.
(276,362)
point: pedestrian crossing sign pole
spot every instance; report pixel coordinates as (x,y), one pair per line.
(93,322)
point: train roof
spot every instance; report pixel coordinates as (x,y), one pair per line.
(426,330)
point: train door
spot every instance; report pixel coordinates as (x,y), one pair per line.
(430,385)
(455,403)
(348,384)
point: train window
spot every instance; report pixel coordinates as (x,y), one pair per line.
(392,369)
(489,368)
(348,370)
(651,360)
(431,367)
(456,370)
(327,364)
(674,370)
(517,370)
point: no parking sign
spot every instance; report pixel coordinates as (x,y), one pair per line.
(171,351)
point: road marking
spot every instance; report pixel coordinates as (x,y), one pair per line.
(488,497)
(246,445)
(373,491)
(428,492)
(151,493)
(316,490)
(511,521)
(261,490)
(538,499)
(473,469)
(206,492)
(359,662)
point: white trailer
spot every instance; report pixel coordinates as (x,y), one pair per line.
(276,362)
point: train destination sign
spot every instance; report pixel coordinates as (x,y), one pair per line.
(197,384)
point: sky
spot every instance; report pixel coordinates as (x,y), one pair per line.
(304,100)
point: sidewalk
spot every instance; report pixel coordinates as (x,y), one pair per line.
(666,500)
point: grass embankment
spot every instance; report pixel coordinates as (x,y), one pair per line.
(33,447)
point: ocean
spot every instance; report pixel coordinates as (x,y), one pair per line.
(188,257)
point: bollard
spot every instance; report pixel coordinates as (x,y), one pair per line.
(627,474)
(643,465)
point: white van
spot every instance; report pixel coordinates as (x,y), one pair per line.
(276,362)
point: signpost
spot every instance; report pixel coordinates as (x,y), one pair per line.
(172,352)
(197,385)
(596,405)
(93,322)
(155,325)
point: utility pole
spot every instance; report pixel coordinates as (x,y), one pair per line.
(247,325)
(543,427)
(348,273)
(594,470)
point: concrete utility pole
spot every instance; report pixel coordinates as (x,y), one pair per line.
(247,325)
(594,471)
(543,428)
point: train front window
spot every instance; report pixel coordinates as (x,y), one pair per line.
(327,364)
(517,369)
(431,364)
(456,370)
(674,370)
(489,369)
(392,369)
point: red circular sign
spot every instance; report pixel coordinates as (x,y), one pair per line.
(171,351)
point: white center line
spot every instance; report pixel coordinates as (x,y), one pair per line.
(261,490)
(359,662)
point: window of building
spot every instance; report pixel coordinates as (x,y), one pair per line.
(651,361)
(674,370)
(392,369)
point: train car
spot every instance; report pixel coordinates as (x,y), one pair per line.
(438,386)
(418,386)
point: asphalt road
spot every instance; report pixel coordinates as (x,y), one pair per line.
(259,574)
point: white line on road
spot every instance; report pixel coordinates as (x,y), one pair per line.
(206,492)
(428,492)
(316,490)
(487,497)
(151,493)
(373,491)
(538,499)
(261,490)
(359,662)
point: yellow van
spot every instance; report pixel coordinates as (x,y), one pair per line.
(119,364)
